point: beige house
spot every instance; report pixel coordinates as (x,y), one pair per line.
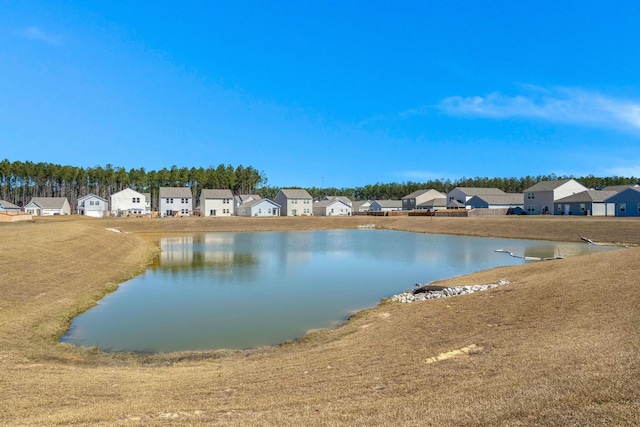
(333,207)
(217,203)
(294,202)
(413,201)
(47,206)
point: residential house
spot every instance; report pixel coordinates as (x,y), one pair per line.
(92,205)
(218,202)
(619,188)
(343,199)
(433,205)
(464,194)
(294,202)
(244,198)
(411,201)
(334,207)
(8,207)
(386,205)
(360,206)
(175,201)
(626,202)
(589,202)
(540,198)
(130,202)
(46,206)
(496,201)
(258,207)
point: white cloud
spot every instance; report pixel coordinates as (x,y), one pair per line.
(560,105)
(35,33)
(632,170)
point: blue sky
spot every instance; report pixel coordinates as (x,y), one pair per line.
(325,93)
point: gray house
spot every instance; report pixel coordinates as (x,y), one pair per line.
(626,202)
(360,205)
(540,198)
(46,206)
(294,202)
(414,200)
(175,201)
(92,205)
(590,202)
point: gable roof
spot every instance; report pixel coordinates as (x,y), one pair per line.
(439,202)
(295,193)
(419,193)
(89,196)
(177,192)
(588,196)
(476,191)
(550,185)
(500,199)
(50,202)
(252,203)
(7,205)
(388,203)
(327,203)
(217,194)
(343,199)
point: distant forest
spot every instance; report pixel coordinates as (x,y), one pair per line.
(20,181)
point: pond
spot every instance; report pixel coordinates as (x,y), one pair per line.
(246,290)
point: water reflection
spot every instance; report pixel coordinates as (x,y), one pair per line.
(241,290)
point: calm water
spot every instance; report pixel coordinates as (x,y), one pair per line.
(245,290)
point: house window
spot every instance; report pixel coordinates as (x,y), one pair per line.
(623,207)
(531,208)
(559,208)
(260,211)
(531,196)
(293,201)
(582,207)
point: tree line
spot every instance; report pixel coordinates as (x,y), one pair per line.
(396,191)
(20,181)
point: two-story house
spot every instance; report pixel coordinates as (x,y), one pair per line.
(540,198)
(294,202)
(175,201)
(218,202)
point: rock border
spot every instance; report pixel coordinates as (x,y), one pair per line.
(411,296)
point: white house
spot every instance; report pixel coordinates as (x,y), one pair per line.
(175,201)
(129,202)
(258,207)
(294,202)
(540,198)
(386,205)
(334,207)
(412,201)
(92,205)
(590,202)
(219,202)
(46,206)
(360,205)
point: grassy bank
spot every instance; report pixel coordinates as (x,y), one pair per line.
(559,345)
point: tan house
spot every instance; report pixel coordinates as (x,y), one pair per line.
(217,203)
(294,202)
(412,201)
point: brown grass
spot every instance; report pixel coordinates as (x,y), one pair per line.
(559,346)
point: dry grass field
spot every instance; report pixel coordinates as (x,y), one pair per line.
(560,345)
